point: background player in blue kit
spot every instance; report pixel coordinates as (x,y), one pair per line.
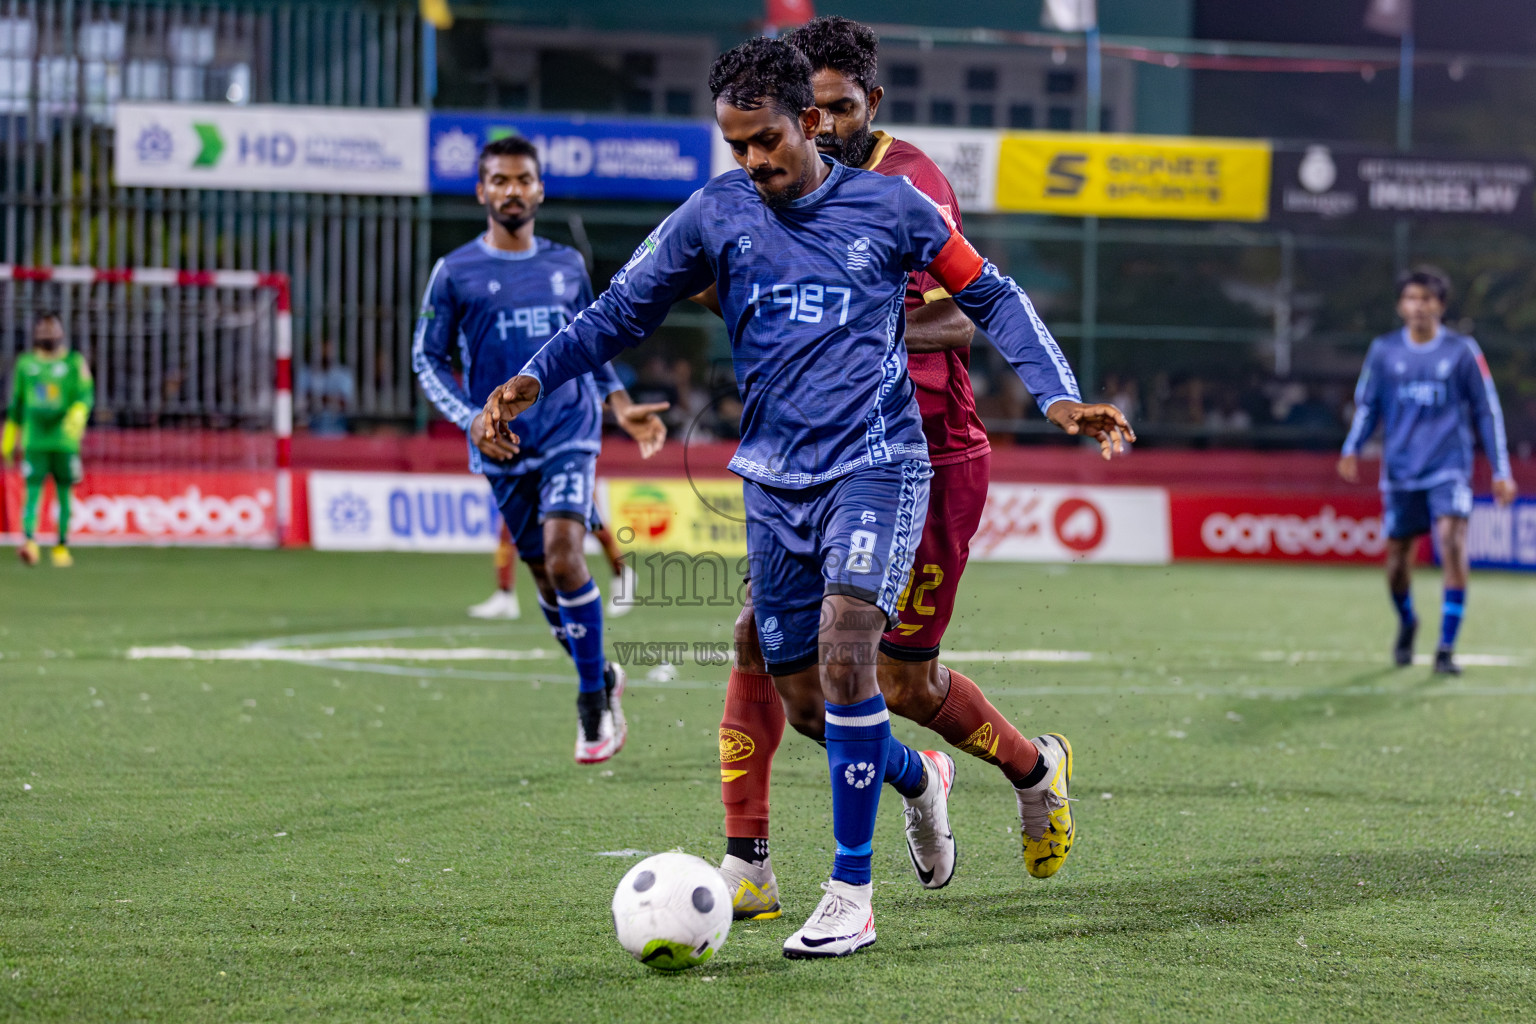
(1429,388)
(494,303)
(811,261)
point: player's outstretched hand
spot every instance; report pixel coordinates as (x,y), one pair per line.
(1505,491)
(1100,421)
(641,422)
(1349,469)
(492,429)
(491,444)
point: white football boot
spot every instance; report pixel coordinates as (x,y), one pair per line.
(621,599)
(929,838)
(754,889)
(612,730)
(616,679)
(597,750)
(843,923)
(500,605)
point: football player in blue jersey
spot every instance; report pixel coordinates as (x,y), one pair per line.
(811,259)
(1429,388)
(493,303)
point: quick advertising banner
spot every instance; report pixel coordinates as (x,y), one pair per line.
(170,507)
(1133,176)
(443,512)
(1048,523)
(1321,184)
(581,159)
(271,148)
(1502,538)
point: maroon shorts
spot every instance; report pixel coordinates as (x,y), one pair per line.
(957,494)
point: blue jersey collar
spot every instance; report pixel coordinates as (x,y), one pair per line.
(504,254)
(822,190)
(1428,346)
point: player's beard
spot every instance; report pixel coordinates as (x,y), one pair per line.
(778,198)
(513,220)
(853,151)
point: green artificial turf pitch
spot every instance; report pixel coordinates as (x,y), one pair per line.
(1274,826)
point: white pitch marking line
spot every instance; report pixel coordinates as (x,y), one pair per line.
(1028,655)
(177,652)
(1476,660)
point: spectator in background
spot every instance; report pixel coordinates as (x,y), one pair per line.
(1124,393)
(1226,412)
(695,416)
(328,393)
(657,383)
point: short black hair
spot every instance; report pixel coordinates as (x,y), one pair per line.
(1432,278)
(835,43)
(509,145)
(44,315)
(763,72)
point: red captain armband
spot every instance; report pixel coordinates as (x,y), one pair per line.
(958,264)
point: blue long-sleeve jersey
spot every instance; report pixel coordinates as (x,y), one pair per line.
(812,296)
(495,309)
(1428,399)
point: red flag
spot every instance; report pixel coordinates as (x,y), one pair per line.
(789,13)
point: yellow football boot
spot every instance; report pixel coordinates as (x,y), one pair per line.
(29,553)
(754,889)
(1045,811)
(61,558)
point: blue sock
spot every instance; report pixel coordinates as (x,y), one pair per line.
(1451,610)
(1404,604)
(903,768)
(556,624)
(857,735)
(581,613)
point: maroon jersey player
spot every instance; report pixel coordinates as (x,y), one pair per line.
(915,684)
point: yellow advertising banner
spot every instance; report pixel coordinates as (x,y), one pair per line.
(1080,175)
(694,517)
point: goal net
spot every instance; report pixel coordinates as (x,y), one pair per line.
(189,440)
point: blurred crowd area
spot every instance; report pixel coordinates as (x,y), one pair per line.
(1247,408)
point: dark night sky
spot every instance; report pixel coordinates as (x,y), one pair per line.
(1507,26)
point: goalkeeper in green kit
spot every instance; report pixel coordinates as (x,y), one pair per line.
(51,398)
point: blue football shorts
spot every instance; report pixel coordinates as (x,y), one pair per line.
(561,488)
(855,535)
(1408,514)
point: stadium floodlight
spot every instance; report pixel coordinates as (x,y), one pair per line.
(199,351)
